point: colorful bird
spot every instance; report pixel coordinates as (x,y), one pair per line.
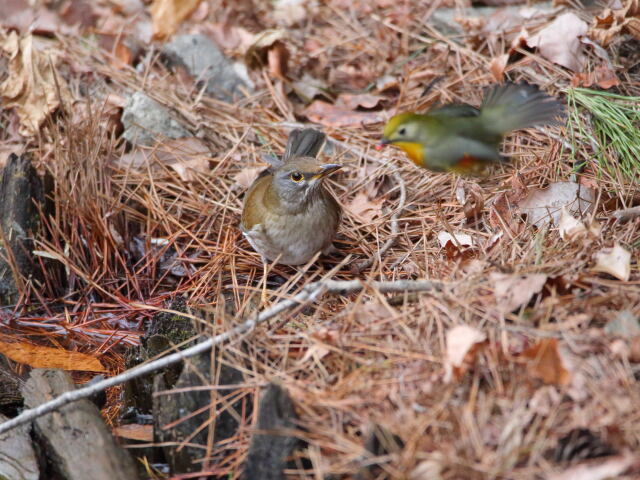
(464,139)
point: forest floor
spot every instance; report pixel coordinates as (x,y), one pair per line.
(523,363)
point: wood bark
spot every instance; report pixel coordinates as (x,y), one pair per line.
(78,443)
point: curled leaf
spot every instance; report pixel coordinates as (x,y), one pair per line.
(615,261)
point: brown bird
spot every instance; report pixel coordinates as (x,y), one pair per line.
(288,215)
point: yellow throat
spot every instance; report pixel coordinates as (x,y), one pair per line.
(413,150)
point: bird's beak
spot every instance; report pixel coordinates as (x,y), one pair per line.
(328,169)
(325,170)
(383,142)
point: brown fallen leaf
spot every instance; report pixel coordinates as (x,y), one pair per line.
(37,356)
(610,24)
(364,208)
(497,66)
(289,12)
(33,87)
(334,116)
(230,37)
(603,77)
(543,361)
(167,15)
(544,206)
(615,261)
(185,155)
(513,291)
(134,431)
(560,41)
(122,55)
(245,177)
(354,101)
(25,16)
(462,343)
(269,48)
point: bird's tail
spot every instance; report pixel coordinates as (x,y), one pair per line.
(518,105)
(303,143)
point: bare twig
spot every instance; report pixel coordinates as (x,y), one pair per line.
(626,214)
(359,267)
(309,293)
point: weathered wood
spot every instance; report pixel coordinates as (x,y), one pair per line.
(19,188)
(10,384)
(272,444)
(17,457)
(178,409)
(76,438)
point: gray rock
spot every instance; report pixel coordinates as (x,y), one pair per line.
(207,65)
(498,18)
(146,121)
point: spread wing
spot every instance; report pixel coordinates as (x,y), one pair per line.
(455,110)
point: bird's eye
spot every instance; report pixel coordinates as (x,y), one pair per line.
(296,176)
(402,131)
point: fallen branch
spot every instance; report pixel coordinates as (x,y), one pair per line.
(626,214)
(359,267)
(308,294)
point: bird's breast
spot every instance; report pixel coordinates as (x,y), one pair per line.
(414,151)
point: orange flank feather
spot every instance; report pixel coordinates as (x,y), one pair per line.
(468,165)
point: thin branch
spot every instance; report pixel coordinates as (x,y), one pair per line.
(626,214)
(359,267)
(309,293)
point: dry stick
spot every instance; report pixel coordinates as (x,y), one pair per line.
(626,214)
(359,267)
(308,294)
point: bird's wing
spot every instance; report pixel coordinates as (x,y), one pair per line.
(253,211)
(454,110)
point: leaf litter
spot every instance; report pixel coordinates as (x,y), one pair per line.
(520,322)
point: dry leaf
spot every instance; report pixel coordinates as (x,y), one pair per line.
(363,208)
(334,116)
(37,356)
(514,291)
(134,431)
(33,88)
(231,37)
(268,48)
(603,77)
(543,361)
(245,177)
(457,239)
(167,15)
(598,469)
(354,101)
(615,261)
(497,66)
(278,58)
(569,227)
(543,206)
(560,41)
(307,88)
(462,342)
(185,155)
(610,24)
(289,12)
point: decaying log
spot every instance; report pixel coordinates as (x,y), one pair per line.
(78,443)
(20,189)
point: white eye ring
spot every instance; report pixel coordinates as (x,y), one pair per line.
(402,131)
